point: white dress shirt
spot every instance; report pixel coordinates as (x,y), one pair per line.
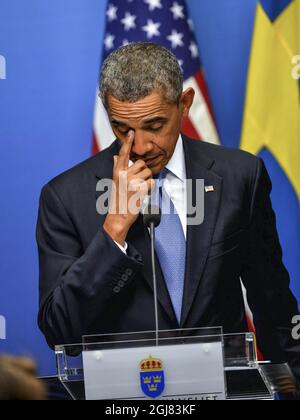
(175,183)
(175,186)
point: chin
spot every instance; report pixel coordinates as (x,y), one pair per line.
(158,166)
(156,169)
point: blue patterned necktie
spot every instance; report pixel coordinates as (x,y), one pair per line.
(170,245)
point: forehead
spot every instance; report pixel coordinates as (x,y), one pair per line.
(150,106)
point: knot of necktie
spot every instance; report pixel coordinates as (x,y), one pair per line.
(162,175)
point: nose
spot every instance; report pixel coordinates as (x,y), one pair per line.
(142,145)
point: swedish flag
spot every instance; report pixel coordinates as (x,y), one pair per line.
(272,107)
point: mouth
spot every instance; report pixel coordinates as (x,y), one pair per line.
(148,161)
(153,159)
(152,163)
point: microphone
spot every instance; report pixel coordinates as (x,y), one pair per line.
(152,219)
(152,215)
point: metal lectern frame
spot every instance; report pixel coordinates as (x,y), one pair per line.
(245,377)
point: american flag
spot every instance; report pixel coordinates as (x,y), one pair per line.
(164,22)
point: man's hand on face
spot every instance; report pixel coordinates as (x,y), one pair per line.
(130,187)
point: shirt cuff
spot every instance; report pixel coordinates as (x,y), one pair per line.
(122,248)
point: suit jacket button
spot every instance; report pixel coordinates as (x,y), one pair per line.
(129,271)
(116,290)
(124,277)
(121,283)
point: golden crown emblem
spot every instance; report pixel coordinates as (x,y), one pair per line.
(151,365)
(152,388)
(156,379)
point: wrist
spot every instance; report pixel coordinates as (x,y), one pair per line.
(116,230)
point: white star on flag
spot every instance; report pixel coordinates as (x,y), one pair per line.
(177,11)
(112,13)
(109,41)
(129,21)
(194,50)
(154,4)
(181,63)
(176,39)
(191,24)
(152,29)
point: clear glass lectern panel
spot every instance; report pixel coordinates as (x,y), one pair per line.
(151,362)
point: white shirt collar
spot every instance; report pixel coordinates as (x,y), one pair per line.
(177,163)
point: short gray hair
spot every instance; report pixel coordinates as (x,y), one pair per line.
(136,70)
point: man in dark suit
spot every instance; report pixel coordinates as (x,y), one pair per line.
(95,269)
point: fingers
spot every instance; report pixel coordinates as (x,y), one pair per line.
(145,174)
(115,161)
(137,167)
(144,186)
(124,155)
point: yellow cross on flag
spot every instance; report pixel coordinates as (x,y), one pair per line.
(272,109)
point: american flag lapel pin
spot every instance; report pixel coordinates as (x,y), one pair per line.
(209,188)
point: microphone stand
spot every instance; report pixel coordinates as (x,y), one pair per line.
(152,219)
(152,236)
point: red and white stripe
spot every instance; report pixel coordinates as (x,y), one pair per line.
(250,321)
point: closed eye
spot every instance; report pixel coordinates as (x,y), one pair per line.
(124,131)
(154,129)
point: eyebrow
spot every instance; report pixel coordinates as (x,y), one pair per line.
(155,119)
(119,123)
(146,122)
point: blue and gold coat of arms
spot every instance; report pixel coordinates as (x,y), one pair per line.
(152,377)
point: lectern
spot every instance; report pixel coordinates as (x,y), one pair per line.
(190,364)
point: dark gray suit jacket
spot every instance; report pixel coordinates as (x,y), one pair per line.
(88,286)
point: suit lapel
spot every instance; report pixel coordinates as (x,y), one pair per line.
(199,237)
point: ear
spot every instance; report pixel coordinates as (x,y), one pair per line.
(186,101)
